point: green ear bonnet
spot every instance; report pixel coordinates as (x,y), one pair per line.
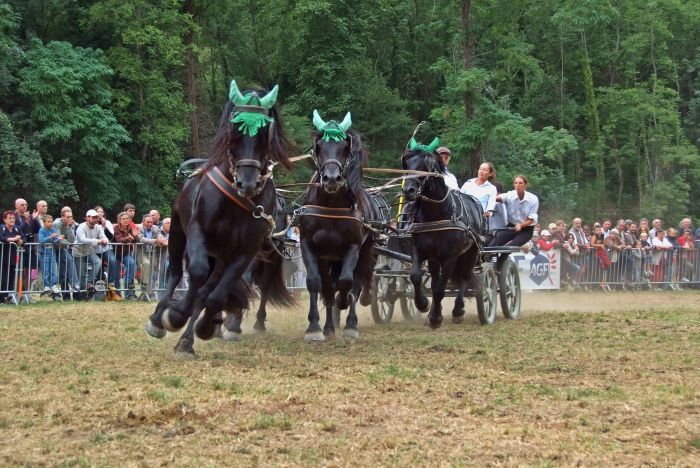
(413,145)
(250,111)
(332,130)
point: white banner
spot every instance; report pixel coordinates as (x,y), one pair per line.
(541,271)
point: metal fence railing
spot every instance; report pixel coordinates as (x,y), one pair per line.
(71,271)
(633,269)
(138,271)
(112,272)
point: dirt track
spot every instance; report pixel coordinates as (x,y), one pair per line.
(82,384)
(536,302)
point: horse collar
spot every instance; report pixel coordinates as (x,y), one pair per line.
(225,186)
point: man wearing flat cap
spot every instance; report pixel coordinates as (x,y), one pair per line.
(450,179)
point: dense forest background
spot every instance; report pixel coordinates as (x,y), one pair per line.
(598,102)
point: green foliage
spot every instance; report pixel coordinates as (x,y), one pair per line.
(598,102)
(68,92)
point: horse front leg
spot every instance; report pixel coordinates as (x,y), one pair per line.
(345,281)
(313,285)
(184,348)
(416,278)
(176,251)
(199,267)
(216,299)
(328,301)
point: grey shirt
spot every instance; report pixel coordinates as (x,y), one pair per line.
(87,239)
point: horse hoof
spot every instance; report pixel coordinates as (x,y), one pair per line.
(458,318)
(311,337)
(204,330)
(423,306)
(154,331)
(184,355)
(230,335)
(171,323)
(434,323)
(350,334)
(260,328)
(329,334)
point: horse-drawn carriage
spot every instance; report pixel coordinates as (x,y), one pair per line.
(391,286)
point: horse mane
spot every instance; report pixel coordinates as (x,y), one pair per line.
(227,134)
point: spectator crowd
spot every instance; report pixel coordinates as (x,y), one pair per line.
(627,254)
(69,259)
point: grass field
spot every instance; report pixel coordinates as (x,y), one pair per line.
(581,379)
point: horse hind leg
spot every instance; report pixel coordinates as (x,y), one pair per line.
(458,311)
(350,331)
(231,328)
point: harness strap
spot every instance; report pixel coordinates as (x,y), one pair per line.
(225,186)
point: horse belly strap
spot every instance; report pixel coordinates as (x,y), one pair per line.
(225,186)
(327,212)
(442,225)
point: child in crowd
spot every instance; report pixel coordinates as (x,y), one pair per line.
(48,236)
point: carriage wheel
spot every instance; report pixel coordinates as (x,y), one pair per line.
(509,290)
(383,298)
(408,307)
(486,301)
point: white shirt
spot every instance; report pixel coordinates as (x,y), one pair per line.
(450,180)
(485,193)
(520,210)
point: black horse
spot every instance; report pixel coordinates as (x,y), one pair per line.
(336,243)
(222,217)
(446,231)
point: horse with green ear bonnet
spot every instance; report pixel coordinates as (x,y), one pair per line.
(333,151)
(335,242)
(249,138)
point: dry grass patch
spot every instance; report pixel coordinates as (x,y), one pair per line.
(82,384)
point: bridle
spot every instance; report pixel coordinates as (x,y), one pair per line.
(434,169)
(320,168)
(264,168)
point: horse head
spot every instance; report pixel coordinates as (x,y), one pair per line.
(334,151)
(250,139)
(418,157)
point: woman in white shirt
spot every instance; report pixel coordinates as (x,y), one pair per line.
(482,189)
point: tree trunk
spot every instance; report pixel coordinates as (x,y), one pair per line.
(475,156)
(191,84)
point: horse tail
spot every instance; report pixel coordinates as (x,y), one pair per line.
(270,280)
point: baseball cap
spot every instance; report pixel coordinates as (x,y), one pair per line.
(545,233)
(91,213)
(443,150)
(552,226)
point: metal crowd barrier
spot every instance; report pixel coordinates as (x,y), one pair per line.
(135,271)
(138,271)
(633,269)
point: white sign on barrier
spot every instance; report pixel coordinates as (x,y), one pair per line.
(538,271)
